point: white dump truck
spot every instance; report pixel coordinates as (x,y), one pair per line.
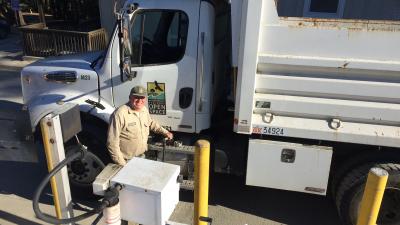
(296,95)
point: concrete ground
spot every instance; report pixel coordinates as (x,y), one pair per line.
(231,202)
(11,54)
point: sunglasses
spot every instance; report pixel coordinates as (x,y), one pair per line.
(138,97)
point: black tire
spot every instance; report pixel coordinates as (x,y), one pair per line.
(83,172)
(357,161)
(3,33)
(351,188)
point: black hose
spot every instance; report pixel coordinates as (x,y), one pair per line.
(97,219)
(42,185)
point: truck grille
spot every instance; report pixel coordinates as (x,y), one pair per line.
(61,76)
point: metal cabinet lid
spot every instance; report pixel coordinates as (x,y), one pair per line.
(146,174)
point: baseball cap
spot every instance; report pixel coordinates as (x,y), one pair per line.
(138,91)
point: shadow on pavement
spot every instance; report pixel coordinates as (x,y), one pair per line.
(12,44)
(10,107)
(10,85)
(22,179)
(277,205)
(16,219)
(15,134)
(19,176)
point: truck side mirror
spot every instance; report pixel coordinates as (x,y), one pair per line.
(126,44)
(126,69)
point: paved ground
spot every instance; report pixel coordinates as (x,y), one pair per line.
(231,202)
(11,52)
(14,122)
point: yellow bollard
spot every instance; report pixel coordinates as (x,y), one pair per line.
(49,157)
(201,179)
(372,198)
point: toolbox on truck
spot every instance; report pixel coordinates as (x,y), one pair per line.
(288,166)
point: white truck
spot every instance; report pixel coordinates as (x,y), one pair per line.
(290,94)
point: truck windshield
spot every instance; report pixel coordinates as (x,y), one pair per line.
(158,37)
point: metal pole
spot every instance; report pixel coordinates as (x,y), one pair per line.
(201,176)
(54,149)
(372,197)
(44,125)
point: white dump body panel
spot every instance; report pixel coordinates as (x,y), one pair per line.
(326,79)
(288,166)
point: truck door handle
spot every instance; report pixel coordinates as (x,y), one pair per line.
(288,155)
(185,97)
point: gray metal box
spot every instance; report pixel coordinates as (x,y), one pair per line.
(70,120)
(288,166)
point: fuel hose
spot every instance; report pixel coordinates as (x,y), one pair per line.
(51,219)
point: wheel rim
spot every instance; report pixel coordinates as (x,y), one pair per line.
(389,213)
(84,171)
(390,209)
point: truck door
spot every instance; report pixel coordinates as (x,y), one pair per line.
(164,50)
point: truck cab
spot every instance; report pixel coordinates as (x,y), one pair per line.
(170,49)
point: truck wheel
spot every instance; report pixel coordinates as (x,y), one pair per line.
(354,162)
(83,172)
(350,191)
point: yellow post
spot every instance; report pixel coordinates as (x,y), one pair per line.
(47,149)
(372,198)
(201,179)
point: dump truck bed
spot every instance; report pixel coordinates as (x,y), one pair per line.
(325,79)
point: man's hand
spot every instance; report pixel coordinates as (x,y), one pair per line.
(169,135)
(122,162)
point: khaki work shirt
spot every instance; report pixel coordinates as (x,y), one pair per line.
(128,133)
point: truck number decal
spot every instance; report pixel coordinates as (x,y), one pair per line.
(269,130)
(85,77)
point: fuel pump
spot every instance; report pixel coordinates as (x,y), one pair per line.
(110,198)
(57,128)
(143,191)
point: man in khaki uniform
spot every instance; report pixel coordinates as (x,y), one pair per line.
(129,128)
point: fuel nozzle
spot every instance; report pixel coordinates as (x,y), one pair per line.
(111,196)
(110,206)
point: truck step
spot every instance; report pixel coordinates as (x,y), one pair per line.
(182,149)
(187,185)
